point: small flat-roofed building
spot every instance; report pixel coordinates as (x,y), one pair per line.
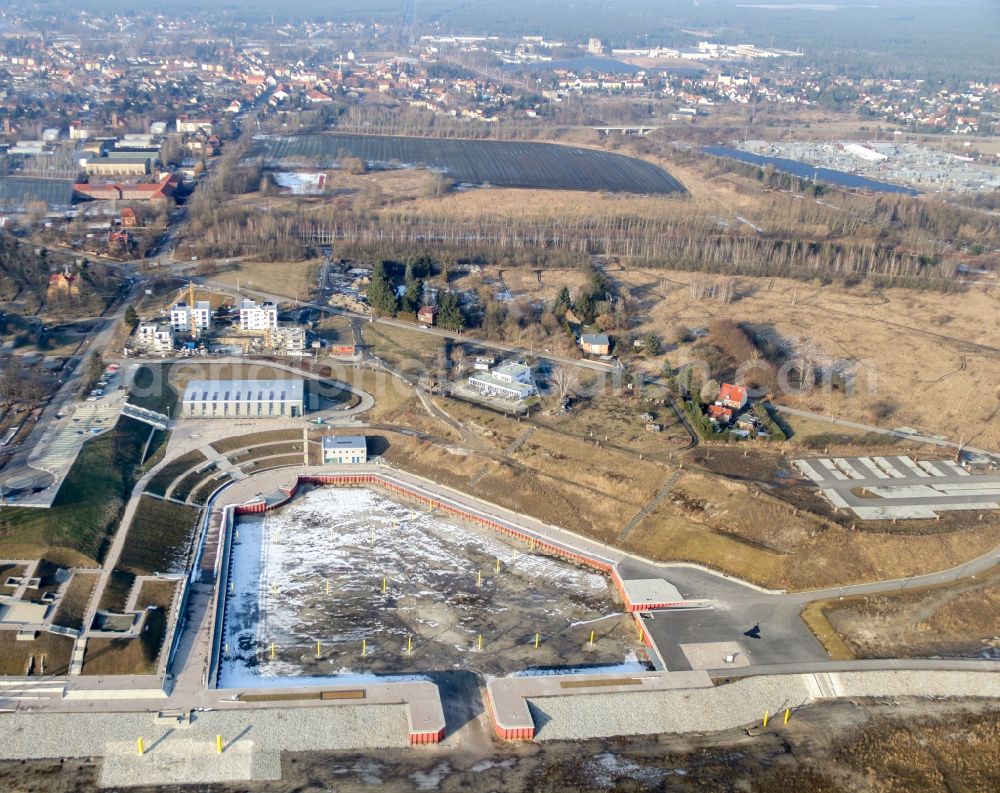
(508,381)
(233,399)
(595,343)
(345,450)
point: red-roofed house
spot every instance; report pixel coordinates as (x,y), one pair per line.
(733,396)
(719,414)
(154,191)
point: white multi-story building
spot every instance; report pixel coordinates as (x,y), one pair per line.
(258,317)
(155,337)
(191,319)
(509,381)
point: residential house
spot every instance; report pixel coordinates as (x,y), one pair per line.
(733,396)
(427,315)
(595,343)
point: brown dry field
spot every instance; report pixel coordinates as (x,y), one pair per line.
(958,619)
(917,347)
(741,527)
(294,279)
(49,648)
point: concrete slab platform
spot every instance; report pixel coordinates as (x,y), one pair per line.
(831,470)
(713,655)
(187,762)
(808,471)
(887,466)
(871,469)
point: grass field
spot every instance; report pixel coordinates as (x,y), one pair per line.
(75,531)
(200,496)
(292,279)
(256,439)
(189,483)
(268,450)
(73,603)
(116,591)
(158,593)
(135,656)
(158,538)
(151,389)
(51,654)
(160,481)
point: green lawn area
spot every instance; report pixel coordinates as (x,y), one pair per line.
(151,389)
(128,656)
(76,530)
(161,480)
(73,603)
(158,537)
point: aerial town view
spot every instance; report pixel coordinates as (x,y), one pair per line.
(462,396)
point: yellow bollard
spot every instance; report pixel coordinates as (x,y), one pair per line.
(272,651)
(383,585)
(498,564)
(409,645)
(319,650)
(531,544)
(479,578)
(328,587)
(274,589)
(140,746)
(592,637)
(480,642)
(364,647)
(788,714)
(767,716)
(538,638)
(218,744)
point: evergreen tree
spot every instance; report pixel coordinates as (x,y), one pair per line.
(411,297)
(562,303)
(131,317)
(381,293)
(449,311)
(584,307)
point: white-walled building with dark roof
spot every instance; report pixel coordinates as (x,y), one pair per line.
(233,399)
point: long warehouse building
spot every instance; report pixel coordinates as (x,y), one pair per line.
(218,399)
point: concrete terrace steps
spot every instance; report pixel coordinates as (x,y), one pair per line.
(650,505)
(519,441)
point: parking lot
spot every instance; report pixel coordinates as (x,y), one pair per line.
(897,487)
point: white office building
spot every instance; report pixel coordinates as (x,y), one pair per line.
(233,399)
(258,317)
(191,319)
(508,381)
